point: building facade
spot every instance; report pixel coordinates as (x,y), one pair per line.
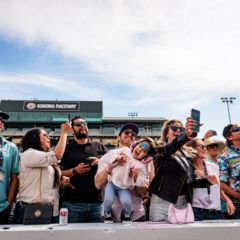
(28,114)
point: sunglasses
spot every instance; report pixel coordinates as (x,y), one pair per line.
(145,146)
(175,128)
(79,124)
(127,132)
(213,146)
(235,129)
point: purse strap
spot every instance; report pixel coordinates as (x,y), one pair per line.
(40,183)
(206,173)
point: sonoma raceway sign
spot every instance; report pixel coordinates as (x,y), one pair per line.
(51,106)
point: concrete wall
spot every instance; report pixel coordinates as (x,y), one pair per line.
(219,230)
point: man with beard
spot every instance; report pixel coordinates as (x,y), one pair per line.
(126,137)
(79,162)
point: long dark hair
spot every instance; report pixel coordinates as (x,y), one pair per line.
(32,140)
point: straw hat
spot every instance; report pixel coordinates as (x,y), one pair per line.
(211,141)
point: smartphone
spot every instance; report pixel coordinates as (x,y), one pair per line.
(214,133)
(87,161)
(195,114)
(69,118)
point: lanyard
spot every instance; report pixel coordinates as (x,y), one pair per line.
(1,153)
(206,173)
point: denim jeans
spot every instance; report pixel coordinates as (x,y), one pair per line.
(4,215)
(158,211)
(83,212)
(205,214)
(124,195)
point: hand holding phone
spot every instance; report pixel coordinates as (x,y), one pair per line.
(87,161)
(214,133)
(69,118)
(195,114)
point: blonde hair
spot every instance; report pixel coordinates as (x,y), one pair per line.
(165,129)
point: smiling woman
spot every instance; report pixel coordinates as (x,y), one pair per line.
(39,174)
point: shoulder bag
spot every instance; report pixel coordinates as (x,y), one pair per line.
(180,216)
(38,213)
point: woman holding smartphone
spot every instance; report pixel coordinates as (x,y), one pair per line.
(173,170)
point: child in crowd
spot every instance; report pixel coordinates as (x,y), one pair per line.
(127,169)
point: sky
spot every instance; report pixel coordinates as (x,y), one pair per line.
(159,58)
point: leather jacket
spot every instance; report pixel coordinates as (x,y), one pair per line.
(173,171)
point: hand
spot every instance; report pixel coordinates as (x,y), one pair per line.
(213,179)
(133,172)
(199,174)
(66,127)
(65,182)
(189,126)
(122,159)
(82,168)
(230,207)
(94,161)
(208,134)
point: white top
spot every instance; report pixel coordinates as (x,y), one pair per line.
(138,209)
(31,163)
(120,174)
(200,195)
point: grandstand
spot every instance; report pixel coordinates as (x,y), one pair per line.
(27,114)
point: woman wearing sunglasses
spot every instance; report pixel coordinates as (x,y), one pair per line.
(173,170)
(39,174)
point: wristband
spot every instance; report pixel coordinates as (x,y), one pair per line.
(74,172)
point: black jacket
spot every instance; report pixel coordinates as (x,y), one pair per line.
(173,172)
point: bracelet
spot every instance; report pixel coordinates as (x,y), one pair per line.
(74,172)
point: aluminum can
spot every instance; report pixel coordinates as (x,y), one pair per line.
(63,216)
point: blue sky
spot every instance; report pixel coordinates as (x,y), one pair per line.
(157,58)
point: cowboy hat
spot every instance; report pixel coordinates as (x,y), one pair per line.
(211,141)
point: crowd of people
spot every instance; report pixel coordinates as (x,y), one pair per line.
(137,181)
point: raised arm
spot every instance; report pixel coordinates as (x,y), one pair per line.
(61,145)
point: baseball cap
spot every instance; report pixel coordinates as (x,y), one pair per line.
(4,116)
(226,130)
(131,126)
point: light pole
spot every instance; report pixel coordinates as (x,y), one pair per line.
(228,100)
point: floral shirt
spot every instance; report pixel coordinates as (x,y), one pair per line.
(229,166)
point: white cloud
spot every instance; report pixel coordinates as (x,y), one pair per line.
(171,52)
(26,85)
